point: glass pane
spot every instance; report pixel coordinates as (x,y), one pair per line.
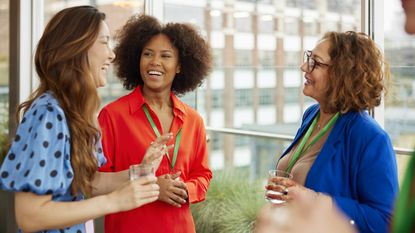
(400,100)
(256,83)
(4,76)
(117,14)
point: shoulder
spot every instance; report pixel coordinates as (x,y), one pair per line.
(310,112)
(44,110)
(190,113)
(361,123)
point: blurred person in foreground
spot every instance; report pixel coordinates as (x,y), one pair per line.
(53,161)
(157,62)
(340,154)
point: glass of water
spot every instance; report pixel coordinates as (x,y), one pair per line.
(274,174)
(138,170)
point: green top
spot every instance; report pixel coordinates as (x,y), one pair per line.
(404,219)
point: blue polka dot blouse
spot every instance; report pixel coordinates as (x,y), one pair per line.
(39,158)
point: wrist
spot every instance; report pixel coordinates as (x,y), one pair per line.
(107,204)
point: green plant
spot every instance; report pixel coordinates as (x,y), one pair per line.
(4,139)
(231,204)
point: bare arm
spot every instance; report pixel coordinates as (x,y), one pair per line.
(39,212)
(106,182)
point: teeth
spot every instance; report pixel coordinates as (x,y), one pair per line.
(153,72)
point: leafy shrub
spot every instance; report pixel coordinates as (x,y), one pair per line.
(231,204)
(4,140)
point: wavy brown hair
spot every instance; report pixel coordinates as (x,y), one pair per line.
(62,65)
(195,56)
(358,72)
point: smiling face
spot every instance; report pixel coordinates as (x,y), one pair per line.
(100,56)
(159,64)
(316,81)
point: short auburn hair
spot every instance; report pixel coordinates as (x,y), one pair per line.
(195,55)
(358,72)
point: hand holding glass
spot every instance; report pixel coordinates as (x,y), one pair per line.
(278,191)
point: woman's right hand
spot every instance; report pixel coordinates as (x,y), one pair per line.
(154,153)
(134,194)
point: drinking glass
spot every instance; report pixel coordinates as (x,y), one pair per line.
(138,170)
(273,174)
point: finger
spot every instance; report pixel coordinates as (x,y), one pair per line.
(180,184)
(147,194)
(143,180)
(148,187)
(147,200)
(180,192)
(173,202)
(283,181)
(177,199)
(278,188)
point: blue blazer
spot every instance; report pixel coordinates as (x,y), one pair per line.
(356,167)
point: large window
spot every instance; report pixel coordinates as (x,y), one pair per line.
(400,100)
(117,14)
(264,43)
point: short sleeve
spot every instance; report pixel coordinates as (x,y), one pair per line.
(39,158)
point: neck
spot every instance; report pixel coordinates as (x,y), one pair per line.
(324,118)
(159,100)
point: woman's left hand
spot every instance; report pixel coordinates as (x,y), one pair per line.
(173,191)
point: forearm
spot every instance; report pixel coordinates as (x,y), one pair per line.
(35,213)
(106,182)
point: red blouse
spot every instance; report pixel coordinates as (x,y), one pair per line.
(126,135)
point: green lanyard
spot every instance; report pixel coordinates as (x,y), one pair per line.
(156,131)
(405,206)
(299,151)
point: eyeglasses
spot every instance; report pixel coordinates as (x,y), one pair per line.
(311,62)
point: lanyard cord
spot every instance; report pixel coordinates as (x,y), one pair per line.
(300,149)
(156,131)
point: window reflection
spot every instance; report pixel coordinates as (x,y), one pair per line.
(117,13)
(400,100)
(257,50)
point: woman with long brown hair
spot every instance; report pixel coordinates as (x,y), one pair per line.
(53,161)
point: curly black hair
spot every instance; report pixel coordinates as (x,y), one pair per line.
(195,55)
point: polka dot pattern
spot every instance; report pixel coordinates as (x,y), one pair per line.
(39,158)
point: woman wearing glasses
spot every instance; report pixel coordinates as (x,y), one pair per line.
(340,154)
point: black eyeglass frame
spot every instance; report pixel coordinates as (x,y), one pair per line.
(311,62)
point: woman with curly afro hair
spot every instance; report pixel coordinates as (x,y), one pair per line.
(340,153)
(158,62)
